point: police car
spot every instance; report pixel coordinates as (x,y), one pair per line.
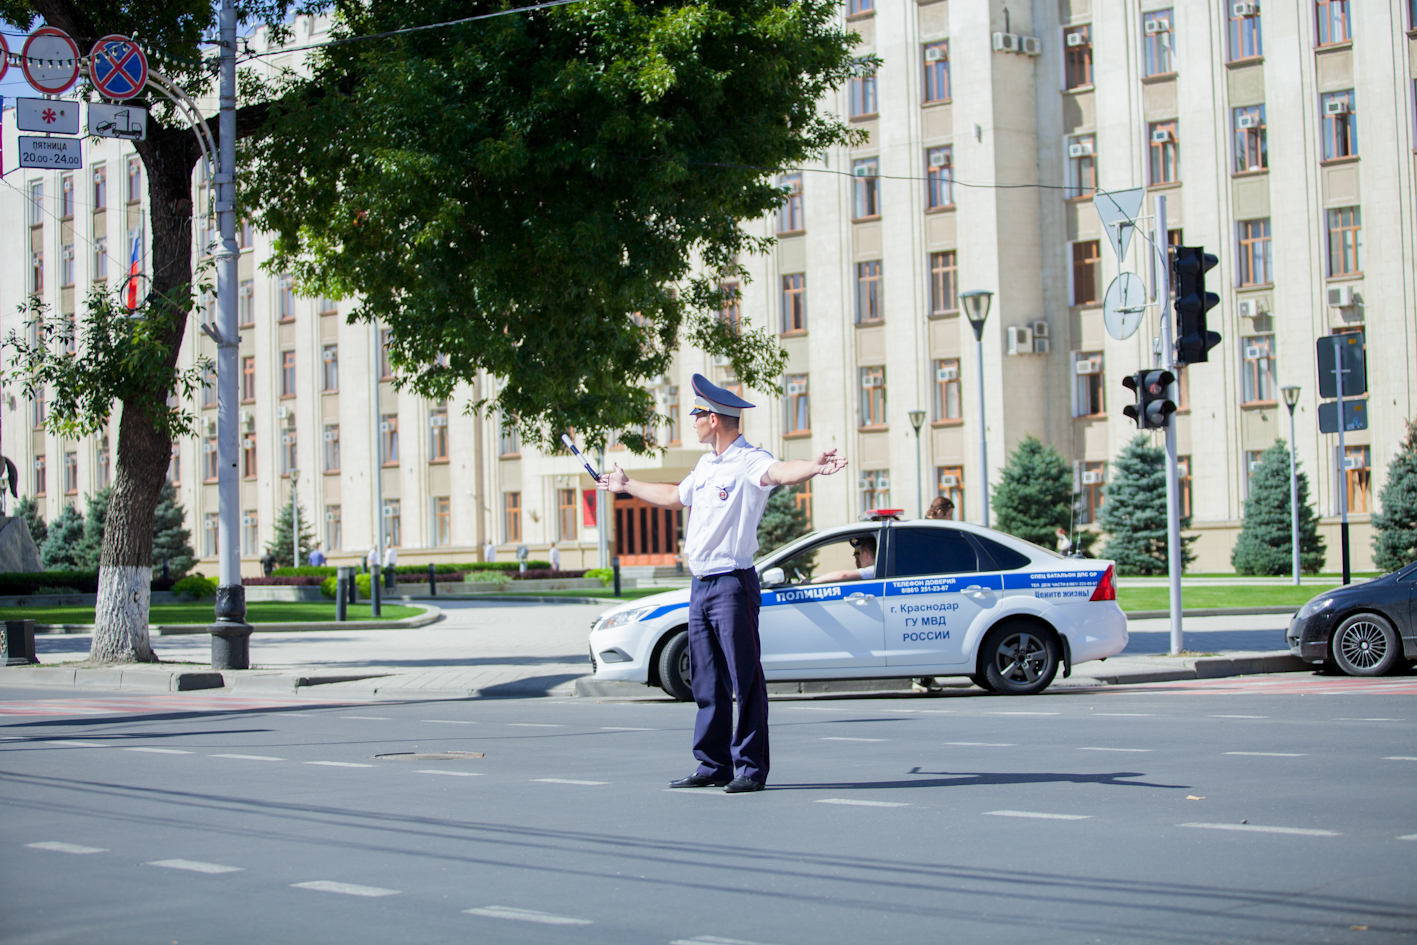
(942,598)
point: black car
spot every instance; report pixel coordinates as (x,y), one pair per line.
(1364,629)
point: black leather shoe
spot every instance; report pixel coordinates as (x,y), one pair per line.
(701,780)
(743,786)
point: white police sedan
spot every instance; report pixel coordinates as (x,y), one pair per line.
(946,599)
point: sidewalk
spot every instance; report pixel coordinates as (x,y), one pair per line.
(485,649)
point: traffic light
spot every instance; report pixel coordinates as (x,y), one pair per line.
(1188,268)
(1152,411)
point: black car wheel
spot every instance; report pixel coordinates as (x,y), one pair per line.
(1366,645)
(674,667)
(1019,658)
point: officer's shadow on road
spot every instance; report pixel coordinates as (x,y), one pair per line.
(939,779)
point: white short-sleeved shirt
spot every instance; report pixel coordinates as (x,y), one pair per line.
(727,497)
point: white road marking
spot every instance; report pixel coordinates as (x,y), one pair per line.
(1271,754)
(526,915)
(1036,815)
(1239,716)
(712,940)
(195,866)
(58,847)
(855,803)
(338,764)
(368,718)
(566,781)
(984,744)
(1399,758)
(1020,713)
(1129,715)
(623,728)
(456,774)
(1259,828)
(846,738)
(1367,720)
(536,725)
(250,757)
(347,889)
(1410,836)
(73,744)
(447,722)
(160,751)
(1116,749)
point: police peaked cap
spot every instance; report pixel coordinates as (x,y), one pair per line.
(709,396)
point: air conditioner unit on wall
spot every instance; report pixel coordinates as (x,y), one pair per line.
(1158,25)
(1080,149)
(949,482)
(1255,466)
(1092,478)
(1018,340)
(867,383)
(283,413)
(385,426)
(1336,107)
(1040,329)
(208,447)
(331,436)
(248,444)
(1041,345)
(244,416)
(1032,46)
(1353,462)
(211,427)
(947,374)
(329,516)
(1340,296)
(1077,39)
(1255,352)
(864,170)
(1005,42)
(1089,366)
(331,354)
(1247,121)
(1161,136)
(1249,308)
(721,361)
(939,158)
(1244,9)
(286,439)
(934,54)
(796,387)
(437,421)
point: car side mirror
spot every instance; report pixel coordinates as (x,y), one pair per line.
(773,577)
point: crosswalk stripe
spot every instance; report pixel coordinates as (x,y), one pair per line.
(526,915)
(346,889)
(1260,828)
(59,847)
(195,866)
(1036,815)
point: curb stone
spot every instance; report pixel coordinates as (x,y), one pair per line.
(431,614)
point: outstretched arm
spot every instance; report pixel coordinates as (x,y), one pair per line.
(794,471)
(663,494)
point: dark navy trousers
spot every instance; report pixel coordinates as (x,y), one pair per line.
(724,660)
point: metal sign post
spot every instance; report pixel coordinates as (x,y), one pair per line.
(1338,372)
(1168,361)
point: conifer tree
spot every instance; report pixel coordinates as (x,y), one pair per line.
(1265,545)
(1133,511)
(1395,527)
(28,509)
(172,539)
(1035,496)
(65,533)
(280,545)
(783,519)
(90,546)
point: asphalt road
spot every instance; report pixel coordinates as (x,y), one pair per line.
(1272,809)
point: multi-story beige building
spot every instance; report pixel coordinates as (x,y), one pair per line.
(1281,135)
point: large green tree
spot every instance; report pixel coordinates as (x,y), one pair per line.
(282,544)
(553,198)
(89,553)
(1395,527)
(28,509)
(1265,544)
(1133,511)
(784,519)
(61,545)
(1035,496)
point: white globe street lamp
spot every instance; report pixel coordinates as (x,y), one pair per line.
(976,309)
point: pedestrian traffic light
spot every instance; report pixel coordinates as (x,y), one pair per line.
(1188,268)
(1153,410)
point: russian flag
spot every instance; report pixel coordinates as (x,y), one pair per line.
(135,265)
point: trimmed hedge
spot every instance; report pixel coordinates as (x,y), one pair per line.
(419,571)
(293,581)
(544,574)
(23,583)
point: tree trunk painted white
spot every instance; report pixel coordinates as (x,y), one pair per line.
(121,617)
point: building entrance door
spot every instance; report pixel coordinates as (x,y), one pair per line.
(645,534)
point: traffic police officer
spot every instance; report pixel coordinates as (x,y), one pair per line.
(726,493)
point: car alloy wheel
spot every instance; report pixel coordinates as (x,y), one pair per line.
(1020,658)
(1365,645)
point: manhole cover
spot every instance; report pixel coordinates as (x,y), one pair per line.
(429,755)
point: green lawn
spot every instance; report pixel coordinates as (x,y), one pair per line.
(1157,598)
(628,593)
(257,613)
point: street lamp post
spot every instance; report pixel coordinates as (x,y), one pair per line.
(295,518)
(1291,399)
(976,309)
(917,419)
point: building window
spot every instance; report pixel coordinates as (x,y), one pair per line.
(1333,21)
(246,304)
(334,528)
(939,178)
(1077,57)
(866,187)
(671,410)
(326,306)
(442,521)
(863,96)
(1165,152)
(38,409)
(211,532)
(1358,478)
(386,364)
(393,523)
(245,235)
(947,389)
(1091,394)
(135,180)
(209,385)
(509,442)
(1260,370)
(331,444)
(1252,466)
(105,468)
(1245,39)
(873,396)
(937,72)
(389,439)
(100,187)
(36,204)
(66,196)
(438,434)
(330,360)
(789,215)
(1082,167)
(802,497)
(71,473)
(869,308)
(287,374)
(248,456)
(289,459)
(66,266)
(1251,148)
(1345,241)
(730,309)
(250,532)
(174,465)
(100,258)
(1087,272)
(566,509)
(944,284)
(211,465)
(794,303)
(248,379)
(875,489)
(1157,39)
(1339,111)
(1094,479)
(41,477)
(1183,476)
(949,483)
(37,272)
(511,516)
(797,418)
(1256,259)
(285,298)
(854,7)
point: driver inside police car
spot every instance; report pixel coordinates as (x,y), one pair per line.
(863,552)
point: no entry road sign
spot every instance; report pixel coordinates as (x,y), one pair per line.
(50,60)
(118,67)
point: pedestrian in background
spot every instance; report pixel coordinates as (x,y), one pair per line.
(555,558)
(391,560)
(268,563)
(940,507)
(489,553)
(317,557)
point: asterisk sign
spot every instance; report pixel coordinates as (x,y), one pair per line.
(48,116)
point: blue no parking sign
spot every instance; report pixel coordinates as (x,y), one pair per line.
(118,67)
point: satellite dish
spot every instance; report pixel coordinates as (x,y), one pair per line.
(1124,306)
